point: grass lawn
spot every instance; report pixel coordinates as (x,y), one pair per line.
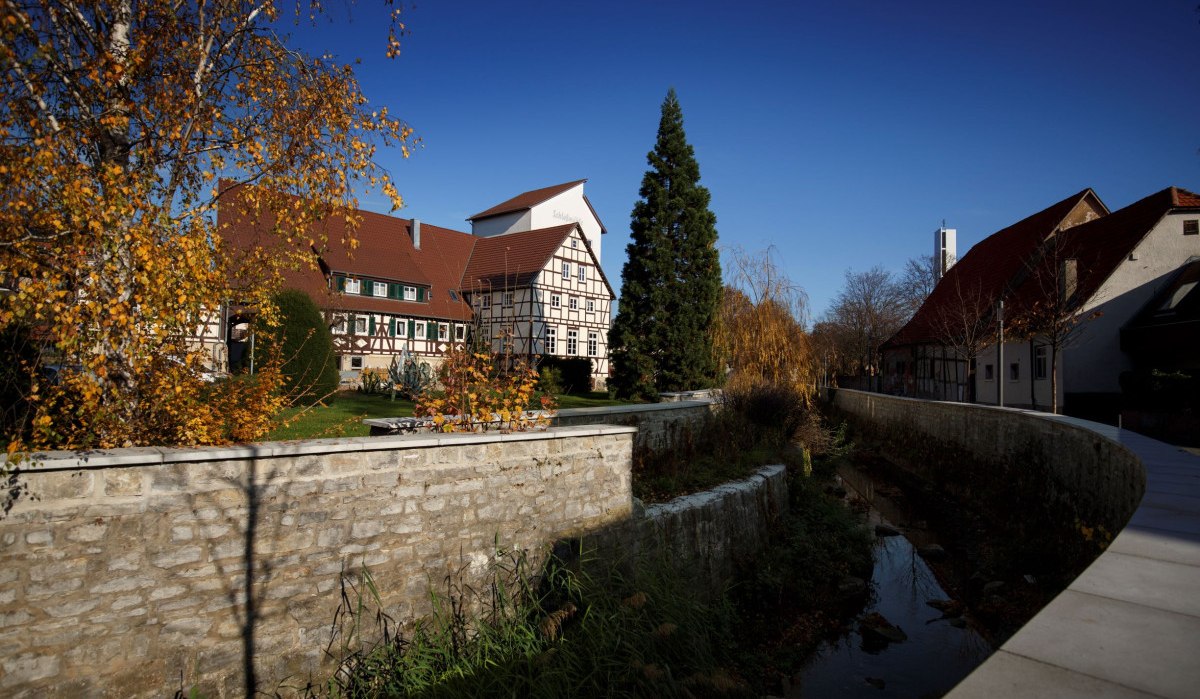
(344,418)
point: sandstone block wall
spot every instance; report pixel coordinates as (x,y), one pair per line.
(140,571)
(1098,477)
(657,423)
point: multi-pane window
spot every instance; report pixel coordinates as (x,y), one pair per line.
(566,271)
(420,335)
(486,301)
(1040,361)
(572,303)
(508,298)
(551,340)
(356,362)
(353,286)
(572,342)
(582,273)
(593,344)
(555,301)
(410,293)
(591,306)
(380,289)
(360,325)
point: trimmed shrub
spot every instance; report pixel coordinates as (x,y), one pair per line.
(305,349)
(575,373)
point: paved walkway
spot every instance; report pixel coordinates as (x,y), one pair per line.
(1129,626)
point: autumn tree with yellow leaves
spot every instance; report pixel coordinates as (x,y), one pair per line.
(117,120)
(760,337)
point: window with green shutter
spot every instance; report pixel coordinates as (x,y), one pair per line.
(391,327)
(431,330)
(371,325)
(341,283)
(420,294)
(412,328)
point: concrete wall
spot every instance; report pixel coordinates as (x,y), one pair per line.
(128,570)
(1096,476)
(1128,626)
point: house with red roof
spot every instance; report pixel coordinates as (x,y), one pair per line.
(406,288)
(1075,262)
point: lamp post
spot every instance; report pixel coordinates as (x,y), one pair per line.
(1000,358)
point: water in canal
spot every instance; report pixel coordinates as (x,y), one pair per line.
(939,650)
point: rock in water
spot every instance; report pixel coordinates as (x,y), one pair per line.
(882,530)
(876,628)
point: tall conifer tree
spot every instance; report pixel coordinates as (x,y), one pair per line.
(671,284)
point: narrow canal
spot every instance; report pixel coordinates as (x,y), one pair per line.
(910,640)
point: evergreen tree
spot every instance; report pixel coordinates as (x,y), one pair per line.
(661,339)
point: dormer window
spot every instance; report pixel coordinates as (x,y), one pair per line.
(381,289)
(410,293)
(353,286)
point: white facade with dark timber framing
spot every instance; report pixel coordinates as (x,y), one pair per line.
(412,289)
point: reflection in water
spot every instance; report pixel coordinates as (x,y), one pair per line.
(937,654)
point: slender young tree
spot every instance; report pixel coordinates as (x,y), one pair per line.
(117,120)
(661,339)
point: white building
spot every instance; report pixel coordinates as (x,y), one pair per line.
(412,288)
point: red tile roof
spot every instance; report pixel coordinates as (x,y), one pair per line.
(446,261)
(528,200)
(1099,246)
(992,266)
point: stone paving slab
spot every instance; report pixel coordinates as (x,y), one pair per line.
(1008,675)
(1132,645)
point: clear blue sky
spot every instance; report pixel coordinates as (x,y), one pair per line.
(841,132)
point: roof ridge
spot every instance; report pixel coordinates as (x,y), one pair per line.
(526,200)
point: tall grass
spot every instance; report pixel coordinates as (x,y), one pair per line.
(579,630)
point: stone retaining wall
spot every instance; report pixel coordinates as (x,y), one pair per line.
(657,423)
(126,576)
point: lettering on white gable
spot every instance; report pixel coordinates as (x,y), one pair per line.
(564,216)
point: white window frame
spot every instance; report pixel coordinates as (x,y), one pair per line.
(591,306)
(572,303)
(401,327)
(410,293)
(356,359)
(379,289)
(363,321)
(593,343)
(460,332)
(566,271)
(443,332)
(485,300)
(339,325)
(551,340)
(506,299)
(555,300)
(582,274)
(420,330)
(572,343)
(352,286)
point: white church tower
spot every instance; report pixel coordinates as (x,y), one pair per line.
(944,248)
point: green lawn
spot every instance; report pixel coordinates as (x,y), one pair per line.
(344,417)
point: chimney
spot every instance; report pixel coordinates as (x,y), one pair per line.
(416,233)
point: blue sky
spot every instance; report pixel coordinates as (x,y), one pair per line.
(842,133)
